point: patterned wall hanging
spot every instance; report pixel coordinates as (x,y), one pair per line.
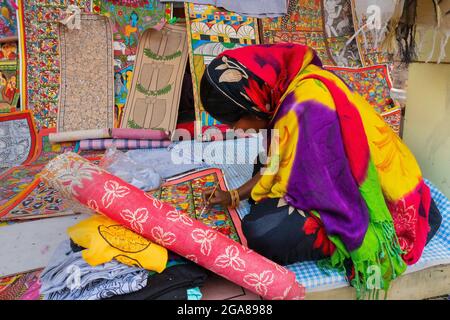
(40,80)
(374,84)
(186,195)
(17,139)
(130,19)
(9,85)
(326,26)
(155,89)
(393,118)
(369,41)
(23,286)
(211,31)
(86,99)
(8,20)
(24,196)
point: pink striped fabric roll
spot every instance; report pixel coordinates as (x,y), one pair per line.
(77,178)
(102,144)
(142,134)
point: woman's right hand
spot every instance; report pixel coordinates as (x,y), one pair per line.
(219,197)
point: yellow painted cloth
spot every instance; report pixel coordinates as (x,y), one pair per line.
(105,239)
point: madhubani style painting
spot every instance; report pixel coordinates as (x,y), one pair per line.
(23,195)
(369,40)
(211,31)
(155,89)
(9,85)
(186,195)
(374,84)
(324,25)
(8,20)
(40,63)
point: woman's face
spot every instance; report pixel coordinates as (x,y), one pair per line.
(250,122)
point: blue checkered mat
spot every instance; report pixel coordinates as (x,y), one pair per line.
(437,252)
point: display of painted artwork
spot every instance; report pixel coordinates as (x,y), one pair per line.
(374,84)
(211,31)
(42,200)
(130,19)
(9,88)
(8,20)
(325,25)
(40,66)
(186,195)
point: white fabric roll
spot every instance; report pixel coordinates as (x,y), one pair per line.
(79,135)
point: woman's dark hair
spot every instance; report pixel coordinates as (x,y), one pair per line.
(218,105)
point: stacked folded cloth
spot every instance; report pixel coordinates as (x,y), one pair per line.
(104,260)
(69,277)
(121,138)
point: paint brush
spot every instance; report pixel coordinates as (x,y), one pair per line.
(210,196)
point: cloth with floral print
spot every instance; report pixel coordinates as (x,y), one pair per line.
(105,240)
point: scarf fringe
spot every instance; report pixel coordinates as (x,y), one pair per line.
(389,253)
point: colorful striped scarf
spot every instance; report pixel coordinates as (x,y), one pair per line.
(337,159)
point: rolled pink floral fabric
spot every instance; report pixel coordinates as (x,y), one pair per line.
(161,223)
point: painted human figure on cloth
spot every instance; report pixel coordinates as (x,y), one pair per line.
(10,89)
(8,51)
(333,25)
(131,29)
